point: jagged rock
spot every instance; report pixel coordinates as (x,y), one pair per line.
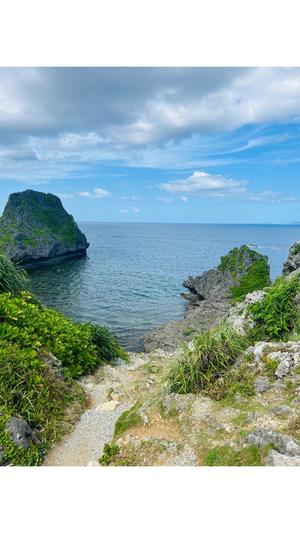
(35,229)
(292,264)
(282,443)
(209,298)
(238,318)
(217,284)
(286,354)
(281,410)
(261,384)
(20,432)
(278,459)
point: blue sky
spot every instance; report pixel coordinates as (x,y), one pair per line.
(155,144)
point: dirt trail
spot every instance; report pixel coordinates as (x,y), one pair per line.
(109,394)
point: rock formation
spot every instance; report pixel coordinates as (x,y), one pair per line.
(35,229)
(292,264)
(240,272)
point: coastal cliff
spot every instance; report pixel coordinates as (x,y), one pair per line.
(35,229)
(210,296)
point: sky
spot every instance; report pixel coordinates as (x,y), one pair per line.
(207,145)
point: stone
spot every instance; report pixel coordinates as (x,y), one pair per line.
(282,443)
(35,229)
(261,384)
(281,410)
(283,368)
(20,432)
(292,264)
(275,458)
(108,406)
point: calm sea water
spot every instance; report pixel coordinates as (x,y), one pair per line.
(131,278)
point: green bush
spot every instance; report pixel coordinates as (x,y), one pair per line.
(11,279)
(80,347)
(127,420)
(31,390)
(213,352)
(257,277)
(275,316)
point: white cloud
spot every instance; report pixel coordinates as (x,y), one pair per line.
(206,184)
(97,193)
(184,198)
(131,210)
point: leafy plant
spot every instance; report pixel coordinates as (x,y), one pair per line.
(12,279)
(275,316)
(80,347)
(109,452)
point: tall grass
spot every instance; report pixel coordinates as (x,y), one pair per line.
(212,353)
(11,279)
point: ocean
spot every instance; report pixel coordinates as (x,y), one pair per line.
(131,279)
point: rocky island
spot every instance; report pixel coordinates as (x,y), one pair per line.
(35,229)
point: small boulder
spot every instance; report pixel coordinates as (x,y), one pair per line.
(284,444)
(278,459)
(261,384)
(20,432)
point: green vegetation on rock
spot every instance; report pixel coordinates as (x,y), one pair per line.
(35,226)
(249,268)
(227,456)
(127,420)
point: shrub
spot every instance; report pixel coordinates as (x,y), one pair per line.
(213,352)
(80,347)
(11,279)
(257,277)
(275,316)
(31,390)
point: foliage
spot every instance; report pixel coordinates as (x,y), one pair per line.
(127,420)
(226,456)
(31,390)
(276,314)
(107,345)
(80,347)
(249,268)
(12,279)
(110,450)
(257,277)
(212,353)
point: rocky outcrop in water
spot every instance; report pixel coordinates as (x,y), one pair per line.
(292,264)
(36,229)
(240,272)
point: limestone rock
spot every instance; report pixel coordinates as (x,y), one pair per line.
(278,459)
(20,432)
(292,264)
(282,443)
(261,384)
(35,229)
(108,406)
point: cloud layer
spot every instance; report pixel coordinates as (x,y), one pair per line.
(54,119)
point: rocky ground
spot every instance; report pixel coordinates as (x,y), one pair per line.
(259,427)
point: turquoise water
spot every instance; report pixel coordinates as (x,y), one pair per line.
(131,278)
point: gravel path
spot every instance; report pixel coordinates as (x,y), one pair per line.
(85,444)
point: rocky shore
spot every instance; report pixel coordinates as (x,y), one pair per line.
(210,296)
(35,230)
